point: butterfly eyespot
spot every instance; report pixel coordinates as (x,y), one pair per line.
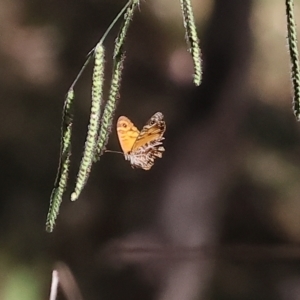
(152,122)
(124,125)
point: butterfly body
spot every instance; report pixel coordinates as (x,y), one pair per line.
(141,148)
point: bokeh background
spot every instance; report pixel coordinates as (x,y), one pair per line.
(216,218)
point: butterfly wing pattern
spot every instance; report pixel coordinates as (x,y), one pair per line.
(142,148)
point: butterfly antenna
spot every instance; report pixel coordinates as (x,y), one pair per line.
(111,151)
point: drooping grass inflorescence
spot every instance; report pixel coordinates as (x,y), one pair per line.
(93,128)
(100,124)
(115,85)
(294,55)
(64,162)
(120,40)
(110,106)
(192,38)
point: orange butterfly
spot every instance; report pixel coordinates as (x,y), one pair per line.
(142,147)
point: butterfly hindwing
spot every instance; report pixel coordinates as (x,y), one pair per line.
(144,156)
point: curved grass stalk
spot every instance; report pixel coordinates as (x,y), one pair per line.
(93,128)
(294,56)
(122,11)
(192,39)
(64,162)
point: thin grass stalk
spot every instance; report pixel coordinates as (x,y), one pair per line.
(91,53)
(67,282)
(54,285)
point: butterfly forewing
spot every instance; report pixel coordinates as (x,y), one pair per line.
(153,130)
(127,133)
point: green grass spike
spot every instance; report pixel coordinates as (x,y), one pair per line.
(120,40)
(110,106)
(93,128)
(294,56)
(192,39)
(64,163)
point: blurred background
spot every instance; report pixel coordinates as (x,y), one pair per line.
(216,218)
